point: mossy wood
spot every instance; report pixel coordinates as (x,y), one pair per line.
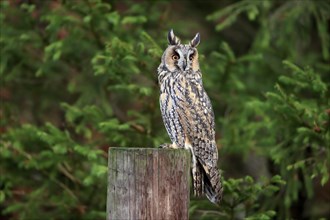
(148,183)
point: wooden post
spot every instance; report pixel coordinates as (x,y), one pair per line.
(148,183)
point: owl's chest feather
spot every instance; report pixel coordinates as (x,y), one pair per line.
(168,81)
(182,89)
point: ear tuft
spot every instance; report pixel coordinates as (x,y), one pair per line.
(172,39)
(195,41)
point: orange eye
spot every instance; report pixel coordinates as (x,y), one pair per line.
(175,57)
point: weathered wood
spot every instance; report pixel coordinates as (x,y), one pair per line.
(148,183)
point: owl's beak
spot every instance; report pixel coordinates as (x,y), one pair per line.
(184,65)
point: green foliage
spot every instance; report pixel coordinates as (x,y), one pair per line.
(50,169)
(72,69)
(240,200)
(300,105)
(78,77)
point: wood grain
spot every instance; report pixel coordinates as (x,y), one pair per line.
(148,183)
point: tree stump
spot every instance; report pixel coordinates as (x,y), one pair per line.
(148,183)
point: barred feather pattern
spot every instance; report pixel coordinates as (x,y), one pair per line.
(189,120)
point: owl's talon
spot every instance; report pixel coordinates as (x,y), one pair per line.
(169,146)
(164,146)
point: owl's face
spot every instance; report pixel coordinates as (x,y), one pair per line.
(182,57)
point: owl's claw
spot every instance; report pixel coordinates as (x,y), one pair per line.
(168,146)
(164,146)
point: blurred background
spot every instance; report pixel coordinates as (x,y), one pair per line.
(78,77)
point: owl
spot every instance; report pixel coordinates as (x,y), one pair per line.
(188,115)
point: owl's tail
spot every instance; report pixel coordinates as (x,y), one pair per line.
(208,182)
(212,185)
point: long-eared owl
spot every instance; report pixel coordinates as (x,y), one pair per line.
(188,115)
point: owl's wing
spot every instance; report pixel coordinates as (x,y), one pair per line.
(202,138)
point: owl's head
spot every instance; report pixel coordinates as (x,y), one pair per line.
(182,57)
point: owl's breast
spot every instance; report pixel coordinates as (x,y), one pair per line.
(172,83)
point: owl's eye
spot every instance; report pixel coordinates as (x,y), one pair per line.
(191,57)
(175,57)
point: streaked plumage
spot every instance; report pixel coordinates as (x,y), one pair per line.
(187,113)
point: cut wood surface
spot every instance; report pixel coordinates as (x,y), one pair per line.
(148,183)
